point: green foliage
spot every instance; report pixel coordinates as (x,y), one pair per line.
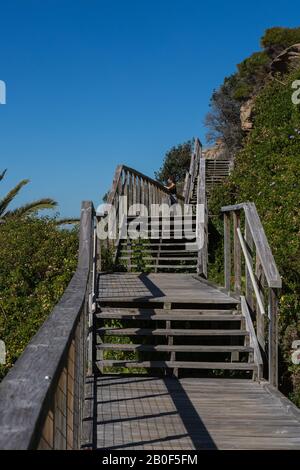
(277,39)
(267,172)
(176,162)
(252,74)
(26,209)
(37,260)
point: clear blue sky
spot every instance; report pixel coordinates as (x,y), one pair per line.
(94,83)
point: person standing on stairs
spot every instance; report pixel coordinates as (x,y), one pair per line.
(171,186)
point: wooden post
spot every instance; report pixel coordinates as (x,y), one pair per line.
(237,254)
(260,321)
(249,244)
(273,337)
(227,251)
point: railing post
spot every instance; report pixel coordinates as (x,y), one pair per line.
(227,251)
(273,337)
(260,321)
(237,253)
(249,245)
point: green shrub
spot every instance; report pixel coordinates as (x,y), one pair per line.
(37,260)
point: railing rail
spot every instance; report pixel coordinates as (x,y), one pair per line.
(41,398)
(202,222)
(142,193)
(193,171)
(261,285)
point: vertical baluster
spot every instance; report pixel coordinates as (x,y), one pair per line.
(260,320)
(237,254)
(273,335)
(249,244)
(227,251)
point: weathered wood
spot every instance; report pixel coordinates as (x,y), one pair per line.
(179,364)
(252,336)
(250,271)
(260,240)
(227,252)
(167,414)
(249,246)
(273,337)
(237,259)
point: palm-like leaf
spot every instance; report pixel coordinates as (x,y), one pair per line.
(4,202)
(2,175)
(31,207)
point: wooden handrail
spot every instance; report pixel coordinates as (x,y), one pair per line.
(260,240)
(255,242)
(116,182)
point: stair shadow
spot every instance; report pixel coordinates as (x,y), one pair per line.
(193,423)
(153,289)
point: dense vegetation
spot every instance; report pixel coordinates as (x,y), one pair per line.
(37,260)
(252,73)
(267,172)
(175,163)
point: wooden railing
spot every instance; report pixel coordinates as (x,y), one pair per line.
(140,190)
(202,220)
(41,398)
(191,175)
(261,281)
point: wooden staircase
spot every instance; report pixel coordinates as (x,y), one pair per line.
(174,332)
(216,171)
(159,248)
(203,337)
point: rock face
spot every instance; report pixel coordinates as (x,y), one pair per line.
(288,60)
(216,151)
(246,115)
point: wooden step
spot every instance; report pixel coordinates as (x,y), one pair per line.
(168,332)
(161,258)
(171,266)
(173,348)
(178,364)
(161,252)
(164,266)
(163,314)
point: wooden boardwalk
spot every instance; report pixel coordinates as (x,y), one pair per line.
(142,412)
(160,287)
(166,413)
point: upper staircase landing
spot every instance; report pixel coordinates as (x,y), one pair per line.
(160,288)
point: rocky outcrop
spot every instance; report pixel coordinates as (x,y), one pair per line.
(246,114)
(287,60)
(216,151)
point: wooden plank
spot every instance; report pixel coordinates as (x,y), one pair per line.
(227,252)
(166,332)
(237,259)
(273,338)
(261,243)
(179,364)
(252,336)
(171,347)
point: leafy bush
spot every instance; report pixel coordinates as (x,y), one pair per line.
(37,260)
(176,163)
(276,39)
